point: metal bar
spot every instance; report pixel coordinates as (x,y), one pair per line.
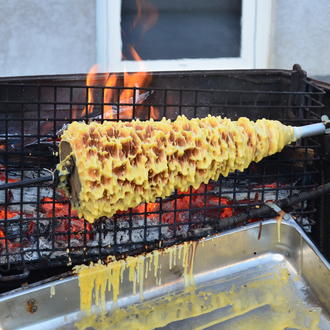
(26,182)
(209,90)
(266,210)
(232,105)
(309,130)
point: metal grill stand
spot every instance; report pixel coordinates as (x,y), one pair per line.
(39,230)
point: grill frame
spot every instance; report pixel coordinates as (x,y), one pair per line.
(303,98)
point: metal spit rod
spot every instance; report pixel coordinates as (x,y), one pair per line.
(26,182)
(267,210)
(282,204)
(313,129)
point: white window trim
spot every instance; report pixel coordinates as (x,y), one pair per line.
(256,33)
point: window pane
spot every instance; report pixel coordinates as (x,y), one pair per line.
(184,29)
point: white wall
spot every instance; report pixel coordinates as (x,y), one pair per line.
(301,34)
(46,36)
(59,36)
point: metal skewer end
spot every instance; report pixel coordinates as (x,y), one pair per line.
(313,129)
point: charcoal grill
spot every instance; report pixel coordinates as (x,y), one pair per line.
(38,228)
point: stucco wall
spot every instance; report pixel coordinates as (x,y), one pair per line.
(59,36)
(46,36)
(301,34)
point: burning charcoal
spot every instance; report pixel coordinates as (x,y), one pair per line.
(105,228)
(182,231)
(3,260)
(122,224)
(57,254)
(123,236)
(107,239)
(45,248)
(5,193)
(202,231)
(42,229)
(105,225)
(138,235)
(69,230)
(62,242)
(66,227)
(30,255)
(38,231)
(12,177)
(200,218)
(305,222)
(30,196)
(16,228)
(153,234)
(137,221)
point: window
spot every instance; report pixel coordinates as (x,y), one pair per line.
(183,35)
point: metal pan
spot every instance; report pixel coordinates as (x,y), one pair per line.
(258,273)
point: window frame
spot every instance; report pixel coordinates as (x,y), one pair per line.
(255,42)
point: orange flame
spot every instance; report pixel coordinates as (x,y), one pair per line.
(108,96)
(75,112)
(131,80)
(138,79)
(90,81)
(127,96)
(147,16)
(154,112)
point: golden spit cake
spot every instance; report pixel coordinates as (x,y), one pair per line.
(113,166)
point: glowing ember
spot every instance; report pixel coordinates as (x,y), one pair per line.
(7,214)
(147,207)
(70,225)
(59,225)
(3,176)
(177,211)
(4,240)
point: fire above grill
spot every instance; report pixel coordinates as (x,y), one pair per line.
(39,229)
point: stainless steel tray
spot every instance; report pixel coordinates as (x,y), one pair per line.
(247,271)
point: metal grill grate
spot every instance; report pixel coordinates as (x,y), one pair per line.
(39,229)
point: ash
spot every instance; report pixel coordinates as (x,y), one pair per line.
(24,200)
(256,191)
(136,231)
